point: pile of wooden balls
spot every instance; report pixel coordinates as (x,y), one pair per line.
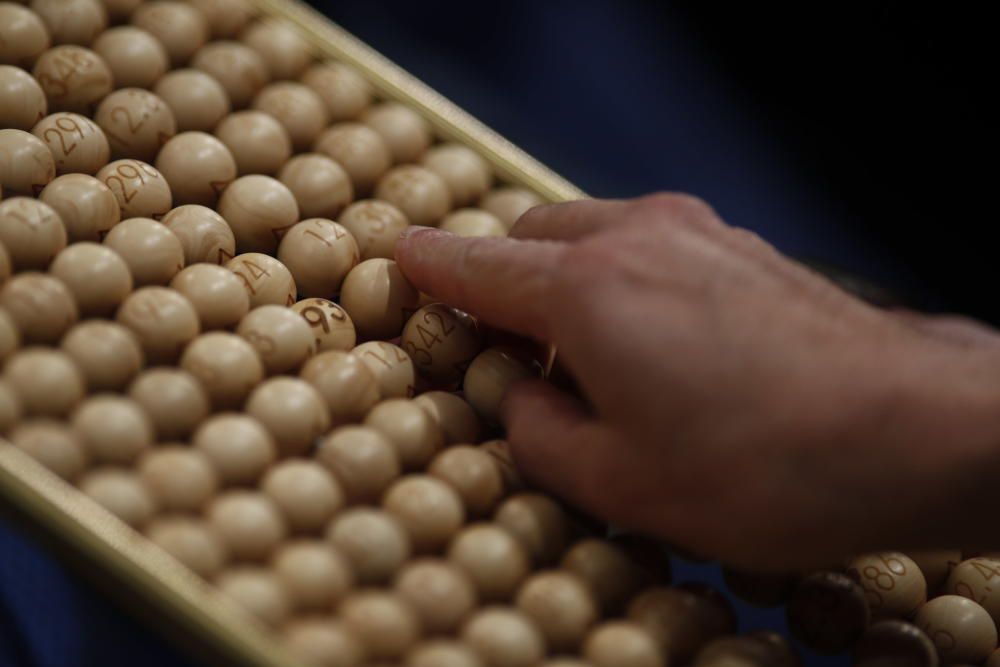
(202,328)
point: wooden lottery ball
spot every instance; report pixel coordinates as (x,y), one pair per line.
(204,235)
(439,592)
(267,281)
(442,343)
(180,478)
(418,192)
(281,337)
(87,208)
(240,70)
(372,540)
(108,354)
(321,186)
(46,381)
(97,276)
(509,203)
(26,164)
(225,18)
(113,429)
(40,305)
(136,122)
(331,325)
(753,650)
(258,591)
(319,253)
(163,320)
(405,132)
(538,523)
(10,336)
(378,298)
(561,607)
(299,110)
(258,142)
(360,150)
(457,419)
(216,294)
(31,231)
(5,267)
(681,620)
(321,642)
(307,495)
(197,101)
(226,365)
(621,644)
(22,101)
(362,459)
(135,57)
(413,432)
(141,190)
(315,575)
(180,28)
(384,624)
(72,21)
(489,377)
(197,166)
(10,408)
(375,225)
(73,78)
(191,541)
(52,444)
(936,566)
(894,643)
(473,474)
(248,522)
(343,90)
(280,46)
(973,578)
(962,630)
(443,653)
(828,612)
(259,209)
(292,411)
(153,254)
(894,586)
(119,10)
(173,399)
(23,35)
(347,385)
(472,222)
(77,144)
(429,510)
(120,492)
(499,451)
(393,369)
(466,174)
(239,448)
(504,637)
(494,560)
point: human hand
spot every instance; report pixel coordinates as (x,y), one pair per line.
(744,407)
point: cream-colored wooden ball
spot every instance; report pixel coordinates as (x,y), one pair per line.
(299,110)
(267,280)
(77,144)
(405,132)
(305,492)
(197,101)
(561,606)
(347,385)
(258,142)
(203,234)
(491,374)
(442,343)
(828,612)
(96,275)
(31,232)
(120,492)
(22,100)
(72,21)
(108,355)
(120,10)
(51,443)
(430,510)
(416,191)
(538,522)
(503,636)
(360,150)
(180,478)
(197,166)
(163,320)
(173,399)
(280,46)
(73,78)
(136,58)
(936,566)
(322,642)
(363,460)
(509,203)
(10,408)
(319,253)
(226,18)
(466,174)
(372,540)
(473,474)
(136,122)
(385,625)
(258,591)
(379,298)
(46,381)
(973,578)
(893,584)
(112,428)
(140,189)
(331,325)
(177,25)
(240,69)
(438,591)
(23,35)
(443,653)
(895,642)
(87,207)
(609,571)
(26,164)
(216,294)
(413,432)
(153,253)
(248,522)
(316,576)
(961,629)
(292,410)
(226,365)
(259,209)
(191,541)
(239,447)
(472,222)
(458,421)
(375,225)
(621,644)
(41,306)
(321,186)
(681,620)
(343,90)
(283,339)
(393,369)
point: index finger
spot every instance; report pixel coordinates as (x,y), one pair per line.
(502,281)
